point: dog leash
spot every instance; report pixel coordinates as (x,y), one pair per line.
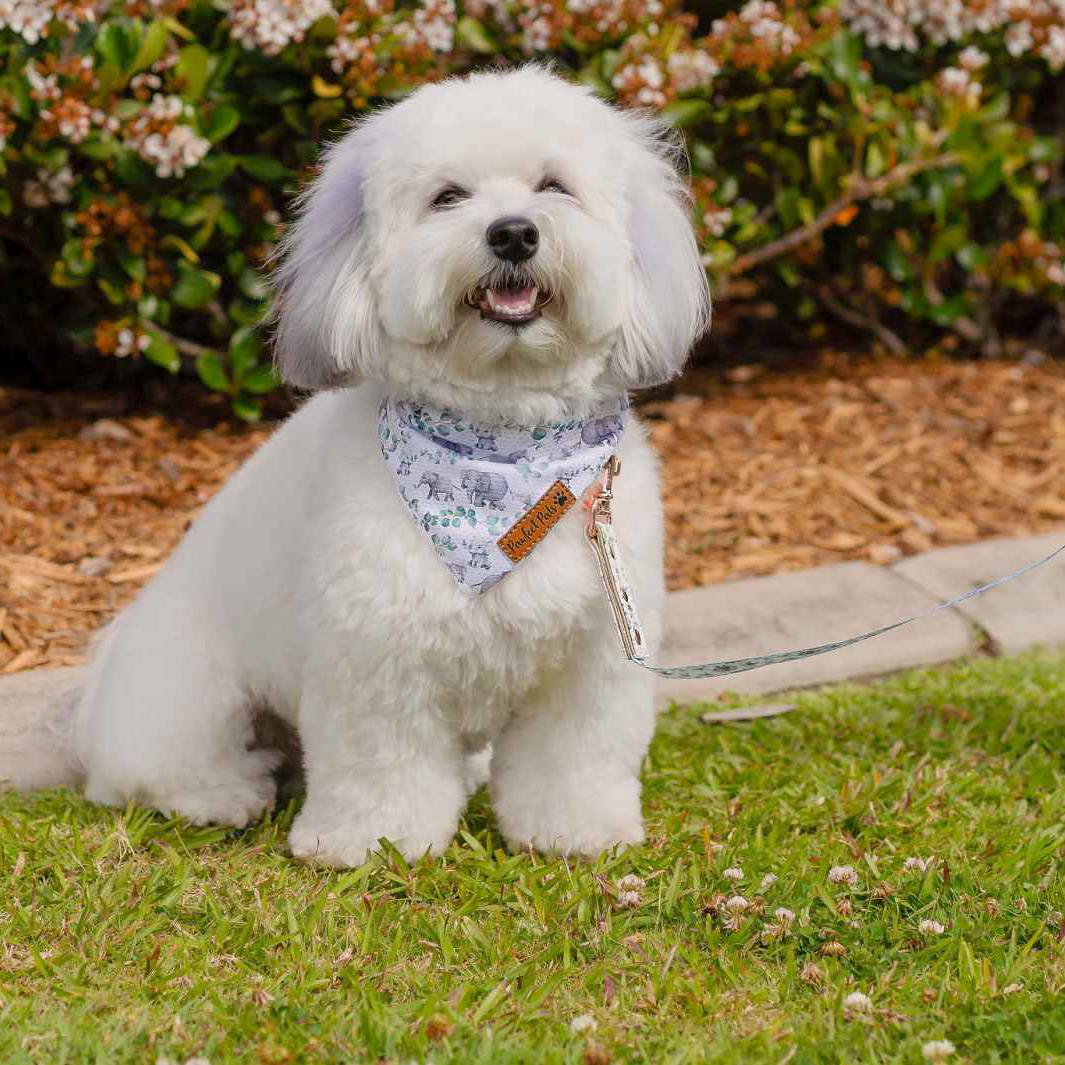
(623,606)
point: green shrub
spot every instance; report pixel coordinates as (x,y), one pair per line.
(898,165)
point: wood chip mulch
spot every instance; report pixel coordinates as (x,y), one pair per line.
(763,472)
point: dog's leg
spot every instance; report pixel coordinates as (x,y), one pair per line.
(379,763)
(565,771)
(165,722)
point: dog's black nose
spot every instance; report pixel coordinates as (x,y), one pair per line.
(514,239)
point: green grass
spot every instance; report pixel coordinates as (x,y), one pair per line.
(125,937)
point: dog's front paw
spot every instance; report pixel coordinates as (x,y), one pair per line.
(571,820)
(346,847)
(343,832)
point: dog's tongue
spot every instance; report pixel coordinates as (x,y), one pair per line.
(516,301)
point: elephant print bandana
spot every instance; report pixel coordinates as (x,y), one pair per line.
(486,494)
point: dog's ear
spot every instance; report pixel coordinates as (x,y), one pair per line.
(327,328)
(669,307)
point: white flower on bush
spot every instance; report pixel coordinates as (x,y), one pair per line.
(348,51)
(643,78)
(691,69)
(972,59)
(129,343)
(432,24)
(1028,26)
(956,81)
(48,187)
(28,18)
(160,139)
(42,86)
(763,20)
(717,222)
(272,25)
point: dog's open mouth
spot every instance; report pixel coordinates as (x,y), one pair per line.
(509,304)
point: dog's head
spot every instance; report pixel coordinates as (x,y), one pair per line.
(508,233)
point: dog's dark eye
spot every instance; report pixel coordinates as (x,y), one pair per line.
(449,197)
(552,185)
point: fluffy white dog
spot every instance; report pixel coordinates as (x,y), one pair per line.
(507,247)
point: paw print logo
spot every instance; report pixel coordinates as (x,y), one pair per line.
(560,499)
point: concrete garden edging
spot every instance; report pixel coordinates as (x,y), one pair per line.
(740,618)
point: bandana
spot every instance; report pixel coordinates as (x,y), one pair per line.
(486,494)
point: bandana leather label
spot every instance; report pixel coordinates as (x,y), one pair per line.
(529,530)
(485,494)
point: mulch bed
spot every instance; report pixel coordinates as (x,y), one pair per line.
(763,472)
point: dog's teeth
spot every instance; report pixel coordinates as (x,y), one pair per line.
(512,302)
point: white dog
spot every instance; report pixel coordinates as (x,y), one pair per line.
(505,252)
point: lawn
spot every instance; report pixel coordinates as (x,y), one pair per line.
(914,829)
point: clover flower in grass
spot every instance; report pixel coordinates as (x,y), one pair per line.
(735,912)
(916,865)
(928,927)
(781,927)
(733,873)
(857,1004)
(768,881)
(843,874)
(583,1022)
(937,1050)
(629,892)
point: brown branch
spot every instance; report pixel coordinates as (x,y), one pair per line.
(860,189)
(867,322)
(189,348)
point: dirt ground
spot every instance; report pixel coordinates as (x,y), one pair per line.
(762,472)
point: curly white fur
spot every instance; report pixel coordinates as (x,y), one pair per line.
(306,585)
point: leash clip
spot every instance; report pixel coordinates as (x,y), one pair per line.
(601,505)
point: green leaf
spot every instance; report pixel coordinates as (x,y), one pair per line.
(253,285)
(194,286)
(192,68)
(245,347)
(247,408)
(686,112)
(895,262)
(263,167)
(260,380)
(947,242)
(162,352)
(987,180)
(152,46)
(473,35)
(220,123)
(212,372)
(116,44)
(133,264)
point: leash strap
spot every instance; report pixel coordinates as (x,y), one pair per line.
(604,545)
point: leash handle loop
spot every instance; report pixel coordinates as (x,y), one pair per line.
(619,593)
